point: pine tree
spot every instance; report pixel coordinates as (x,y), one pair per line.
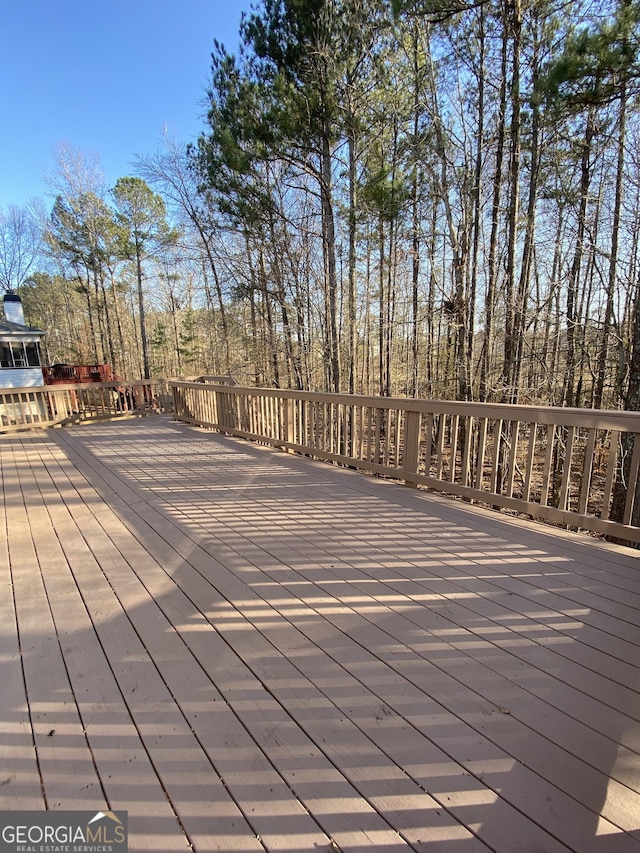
(144,231)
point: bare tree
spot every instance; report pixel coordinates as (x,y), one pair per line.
(20,246)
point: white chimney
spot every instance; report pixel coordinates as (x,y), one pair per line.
(13,311)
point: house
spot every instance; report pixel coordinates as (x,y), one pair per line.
(20,365)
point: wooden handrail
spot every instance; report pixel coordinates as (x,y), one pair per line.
(52,405)
(573,467)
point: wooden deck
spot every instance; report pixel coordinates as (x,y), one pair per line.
(251,651)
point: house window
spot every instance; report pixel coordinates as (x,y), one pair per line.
(33,356)
(19,354)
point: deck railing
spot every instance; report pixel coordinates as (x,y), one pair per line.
(573,467)
(51,405)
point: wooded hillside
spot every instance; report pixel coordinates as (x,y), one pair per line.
(436,198)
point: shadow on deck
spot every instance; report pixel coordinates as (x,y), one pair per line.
(252,651)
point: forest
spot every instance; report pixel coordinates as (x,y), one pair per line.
(433,198)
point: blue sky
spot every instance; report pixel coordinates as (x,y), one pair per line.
(104,77)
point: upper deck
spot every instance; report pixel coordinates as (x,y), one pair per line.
(249,651)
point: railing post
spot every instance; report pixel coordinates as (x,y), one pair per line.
(177,409)
(632,481)
(218,409)
(287,418)
(411,446)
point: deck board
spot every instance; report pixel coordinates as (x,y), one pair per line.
(91,692)
(252,651)
(19,773)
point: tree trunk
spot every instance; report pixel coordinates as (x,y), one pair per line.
(143,332)
(381,308)
(613,262)
(522,298)
(268,316)
(477,202)
(351,297)
(329,236)
(513,14)
(459,245)
(103,291)
(86,289)
(492,263)
(574,277)
(415,217)
(116,311)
